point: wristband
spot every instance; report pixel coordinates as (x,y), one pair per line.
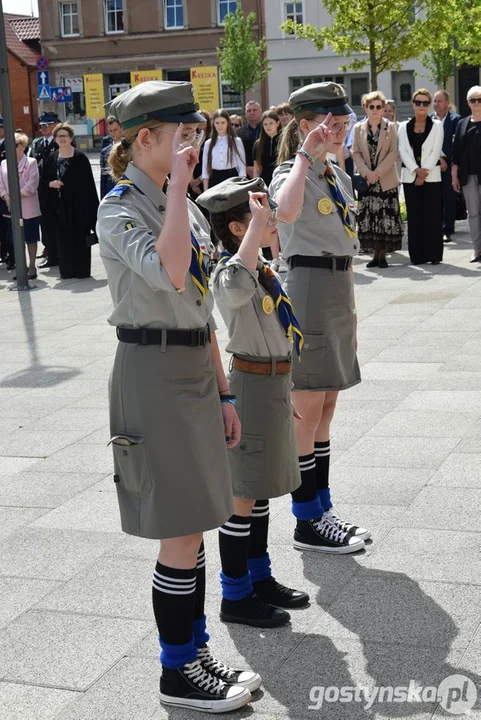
(306,155)
(228,399)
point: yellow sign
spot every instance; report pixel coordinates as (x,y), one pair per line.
(140,76)
(324,206)
(94,95)
(206,87)
(268,305)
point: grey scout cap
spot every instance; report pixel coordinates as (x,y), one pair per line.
(156,100)
(232,193)
(322,98)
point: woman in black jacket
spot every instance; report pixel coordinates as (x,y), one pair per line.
(73,203)
(265,162)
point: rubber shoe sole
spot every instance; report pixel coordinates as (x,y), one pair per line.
(277,621)
(354,546)
(237,697)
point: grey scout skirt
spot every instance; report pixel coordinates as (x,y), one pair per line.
(323,301)
(168,440)
(264,464)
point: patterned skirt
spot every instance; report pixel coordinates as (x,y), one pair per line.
(379,223)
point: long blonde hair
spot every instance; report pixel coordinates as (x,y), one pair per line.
(121,153)
(291,136)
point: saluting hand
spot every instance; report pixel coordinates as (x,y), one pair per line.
(259,206)
(316,142)
(184,158)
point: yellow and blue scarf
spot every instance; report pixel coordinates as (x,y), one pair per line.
(340,202)
(282,304)
(199,267)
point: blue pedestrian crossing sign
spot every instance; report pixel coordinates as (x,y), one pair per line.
(61,94)
(44,92)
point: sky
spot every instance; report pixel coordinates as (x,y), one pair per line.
(20,7)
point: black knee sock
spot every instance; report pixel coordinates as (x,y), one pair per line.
(173,599)
(234,549)
(201,636)
(322,452)
(305,502)
(259,562)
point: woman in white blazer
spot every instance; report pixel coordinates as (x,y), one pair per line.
(420,146)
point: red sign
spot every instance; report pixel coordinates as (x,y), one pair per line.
(42,63)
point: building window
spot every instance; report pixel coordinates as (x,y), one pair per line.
(174,14)
(114,16)
(359,86)
(226,7)
(293,11)
(299,82)
(69,19)
(231,100)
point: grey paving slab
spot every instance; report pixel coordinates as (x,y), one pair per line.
(44,490)
(452,380)
(399,370)
(30,702)
(378,485)
(14,518)
(382,390)
(30,408)
(457,318)
(20,594)
(459,470)
(80,648)
(445,400)
(433,508)
(84,458)
(28,442)
(448,337)
(99,437)
(402,353)
(436,555)
(87,511)
(413,452)
(424,424)
(51,554)
(11,465)
(85,419)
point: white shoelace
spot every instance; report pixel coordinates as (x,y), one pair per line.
(211,663)
(203,679)
(336,520)
(329,530)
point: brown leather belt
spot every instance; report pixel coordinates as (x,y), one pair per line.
(261,368)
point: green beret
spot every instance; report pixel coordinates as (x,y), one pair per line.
(156,100)
(232,193)
(320,98)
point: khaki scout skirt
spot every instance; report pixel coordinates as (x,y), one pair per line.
(168,440)
(323,301)
(264,464)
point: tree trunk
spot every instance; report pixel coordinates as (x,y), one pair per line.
(373,64)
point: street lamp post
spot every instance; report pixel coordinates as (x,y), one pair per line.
(11,152)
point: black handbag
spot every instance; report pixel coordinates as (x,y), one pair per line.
(360,184)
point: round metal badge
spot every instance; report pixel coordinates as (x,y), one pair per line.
(268,305)
(324,206)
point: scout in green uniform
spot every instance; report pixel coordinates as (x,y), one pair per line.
(263,337)
(318,239)
(170,425)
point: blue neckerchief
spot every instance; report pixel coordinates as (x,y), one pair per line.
(283,306)
(338,198)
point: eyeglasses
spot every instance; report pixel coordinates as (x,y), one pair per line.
(375,107)
(236,125)
(273,217)
(475,100)
(195,137)
(423,103)
(338,128)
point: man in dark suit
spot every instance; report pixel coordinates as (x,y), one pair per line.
(40,149)
(250,132)
(450,120)
(114,135)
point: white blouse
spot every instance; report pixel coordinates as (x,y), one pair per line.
(220,157)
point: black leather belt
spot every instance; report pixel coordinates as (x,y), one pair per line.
(149,336)
(329,262)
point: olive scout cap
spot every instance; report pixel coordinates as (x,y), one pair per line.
(322,98)
(232,193)
(156,100)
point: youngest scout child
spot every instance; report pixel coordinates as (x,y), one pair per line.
(263,336)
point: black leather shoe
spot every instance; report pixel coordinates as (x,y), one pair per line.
(383,264)
(278,595)
(253,611)
(372,263)
(48,264)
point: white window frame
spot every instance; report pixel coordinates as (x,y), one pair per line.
(71,15)
(174,27)
(219,21)
(106,18)
(284,14)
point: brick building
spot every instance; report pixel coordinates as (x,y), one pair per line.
(23,44)
(101,48)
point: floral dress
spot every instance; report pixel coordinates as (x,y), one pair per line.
(379,217)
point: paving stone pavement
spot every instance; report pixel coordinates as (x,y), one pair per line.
(77,637)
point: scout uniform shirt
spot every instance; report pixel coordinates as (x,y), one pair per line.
(142,293)
(318,229)
(248,311)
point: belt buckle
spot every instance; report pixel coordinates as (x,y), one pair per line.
(347,263)
(198,338)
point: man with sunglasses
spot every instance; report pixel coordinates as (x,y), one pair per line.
(40,149)
(449,119)
(466,170)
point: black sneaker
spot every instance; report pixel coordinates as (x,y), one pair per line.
(192,686)
(323,535)
(246,678)
(251,610)
(276,594)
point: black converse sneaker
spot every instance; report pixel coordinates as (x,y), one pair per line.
(347,527)
(247,679)
(251,610)
(278,595)
(192,686)
(323,535)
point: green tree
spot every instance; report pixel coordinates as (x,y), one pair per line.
(383,34)
(242,58)
(440,64)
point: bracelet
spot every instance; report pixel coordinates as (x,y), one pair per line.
(223,391)
(306,155)
(228,399)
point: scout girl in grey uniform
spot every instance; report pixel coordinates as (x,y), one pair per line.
(169,425)
(263,332)
(317,235)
